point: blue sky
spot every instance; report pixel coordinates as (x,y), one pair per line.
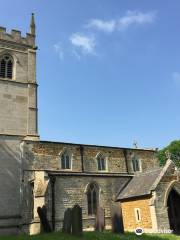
(108,71)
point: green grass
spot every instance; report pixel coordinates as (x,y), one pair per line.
(93,236)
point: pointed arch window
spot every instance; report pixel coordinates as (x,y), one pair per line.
(65,161)
(6,67)
(101,162)
(92,198)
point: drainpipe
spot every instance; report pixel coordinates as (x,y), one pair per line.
(52,181)
(82,157)
(126,159)
(21,175)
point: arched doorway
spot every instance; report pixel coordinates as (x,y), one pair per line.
(173,204)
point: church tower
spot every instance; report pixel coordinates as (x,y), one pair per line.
(18,87)
(18,118)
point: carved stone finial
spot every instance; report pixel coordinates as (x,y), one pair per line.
(168,154)
(135,144)
(32,25)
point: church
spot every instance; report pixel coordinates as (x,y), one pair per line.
(58,175)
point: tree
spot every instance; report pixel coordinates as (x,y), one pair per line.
(173,149)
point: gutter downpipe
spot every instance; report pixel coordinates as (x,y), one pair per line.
(82,157)
(53,180)
(126,160)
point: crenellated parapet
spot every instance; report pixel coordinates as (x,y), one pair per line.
(16,37)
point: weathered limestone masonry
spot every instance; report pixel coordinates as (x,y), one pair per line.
(18,119)
(18,96)
(42,164)
(46,155)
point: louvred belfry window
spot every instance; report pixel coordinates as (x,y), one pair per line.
(6,67)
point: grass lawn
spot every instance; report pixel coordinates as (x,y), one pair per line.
(94,236)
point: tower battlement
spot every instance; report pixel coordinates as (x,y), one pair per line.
(16,37)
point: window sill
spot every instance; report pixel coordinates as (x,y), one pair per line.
(7,79)
(103,171)
(91,216)
(65,170)
(137,172)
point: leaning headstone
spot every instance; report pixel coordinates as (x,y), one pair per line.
(116,218)
(43,218)
(76,220)
(100,219)
(67,223)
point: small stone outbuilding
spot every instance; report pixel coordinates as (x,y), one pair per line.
(151,200)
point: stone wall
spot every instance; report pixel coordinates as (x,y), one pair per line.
(18,118)
(18,100)
(69,190)
(10,178)
(71,184)
(72,190)
(169,180)
(13,108)
(147,158)
(46,155)
(129,218)
(15,36)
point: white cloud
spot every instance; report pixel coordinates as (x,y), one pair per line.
(176,77)
(130,18)
(59,50)
(83,43)
(134,17)
(106,26)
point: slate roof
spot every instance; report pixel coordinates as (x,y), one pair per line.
(140,185)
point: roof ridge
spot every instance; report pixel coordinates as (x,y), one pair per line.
(149,171)
(161,174)
(142,184)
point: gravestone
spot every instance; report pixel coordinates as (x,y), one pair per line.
(43,218)
(44,209)
(100,219)
(116,218)
(77,220)
(67,223)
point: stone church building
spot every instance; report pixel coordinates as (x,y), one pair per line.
(58,175)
